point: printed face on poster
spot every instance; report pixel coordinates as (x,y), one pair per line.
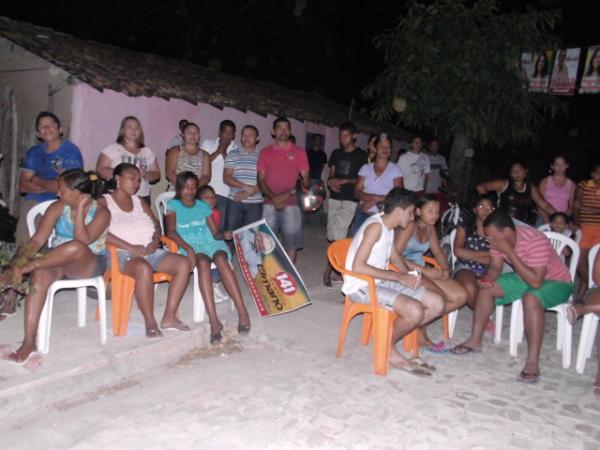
(564,73)
(537,67)
(590,82)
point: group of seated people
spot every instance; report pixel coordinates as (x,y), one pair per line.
(499,260)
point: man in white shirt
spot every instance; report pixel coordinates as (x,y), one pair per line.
(437,164)
(218,149)
(415,167)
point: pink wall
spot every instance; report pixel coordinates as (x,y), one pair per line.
(97,115)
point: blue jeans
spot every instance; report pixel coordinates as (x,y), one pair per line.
(288,221)
(240,214)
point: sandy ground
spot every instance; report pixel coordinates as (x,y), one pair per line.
(281,387)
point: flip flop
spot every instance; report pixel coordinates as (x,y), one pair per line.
(438,347)
(21,363)
(7,315)
(243,329)
(463,350)
(528,377)
(422,363)
(181,327)
(216,338)
(154,333)
(414,369)
(571,314)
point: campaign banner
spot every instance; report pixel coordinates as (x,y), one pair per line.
(590,81)
(564,74)
(537,67)
(273,281)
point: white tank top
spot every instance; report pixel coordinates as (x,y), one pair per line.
(134,227)
(379,257)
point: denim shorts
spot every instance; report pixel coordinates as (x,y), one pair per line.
(387,292)
(240,214)
(288,221)
(154,259)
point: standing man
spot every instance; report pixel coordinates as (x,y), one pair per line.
(344,164)
(437,164)
(245,198)
(279,166)
(415,167)
(539,279)
(317,158)
(38,177)
(218,150)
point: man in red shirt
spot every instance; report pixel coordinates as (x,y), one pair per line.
(540,280)
(279,166)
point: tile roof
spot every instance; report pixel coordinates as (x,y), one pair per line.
(104,66)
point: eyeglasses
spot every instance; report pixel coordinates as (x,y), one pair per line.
(491,208)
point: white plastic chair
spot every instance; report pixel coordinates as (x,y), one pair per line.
(45,323)
(590,321)
(199,309)
(454,314)
(564,328)
(546,228)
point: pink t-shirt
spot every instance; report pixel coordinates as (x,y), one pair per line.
(535,250)
(281,167)
(558,196)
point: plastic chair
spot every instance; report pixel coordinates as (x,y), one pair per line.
(449,320)
(590,321)
(123,287)
(199,309)
(546,228)
(45,322)
(564,328)
(381,319)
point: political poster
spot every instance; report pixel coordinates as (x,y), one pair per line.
(564,73)
(590,81)
(538,68)
(274,283)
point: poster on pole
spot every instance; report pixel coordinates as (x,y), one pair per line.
(274,283)
(539,68)
(590,81)
(564,73)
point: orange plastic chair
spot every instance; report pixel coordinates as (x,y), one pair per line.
(432,262)
(123,286)
(376,320)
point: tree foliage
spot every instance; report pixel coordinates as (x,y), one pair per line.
(456,65)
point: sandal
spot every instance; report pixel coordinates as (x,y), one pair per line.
(571,314)
(463,349)
(422,363)
(243,329)
(528,377)
(216,338)
(154,333)
(414,369)
(438,347)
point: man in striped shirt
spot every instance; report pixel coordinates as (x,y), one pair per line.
(245,197)
(539,279)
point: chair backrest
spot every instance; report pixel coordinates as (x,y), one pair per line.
(559,242)
(591,259)
(452,238)
(38,210)
(544,228)
(161,207)
(337,253)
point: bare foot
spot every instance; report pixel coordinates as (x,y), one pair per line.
(176,325)
(216,333)
(153,333)
(23,353)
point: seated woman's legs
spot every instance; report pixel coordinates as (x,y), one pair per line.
(141,271)
(179,267)
(72,259)
(455,294)
(469,281)
(203,263)
(232,286)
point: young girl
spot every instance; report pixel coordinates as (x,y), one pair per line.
(417,239)
(471,249)
(77,249)
(191,225)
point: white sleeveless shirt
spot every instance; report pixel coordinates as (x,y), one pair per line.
(379,257)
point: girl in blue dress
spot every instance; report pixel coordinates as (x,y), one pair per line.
(190,225)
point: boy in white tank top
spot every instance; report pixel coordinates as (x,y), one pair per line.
(370,253)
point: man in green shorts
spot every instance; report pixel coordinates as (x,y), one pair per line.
(539,279)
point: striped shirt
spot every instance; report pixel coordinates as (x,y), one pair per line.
(590,198)
(243,164)
(534,249)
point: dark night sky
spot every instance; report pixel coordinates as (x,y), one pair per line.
(314,45)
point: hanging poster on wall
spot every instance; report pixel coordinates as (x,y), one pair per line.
(590,81)
(564,73)
(540,71)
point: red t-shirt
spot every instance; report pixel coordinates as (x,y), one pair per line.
(216,217)
(535,250)
(281,167)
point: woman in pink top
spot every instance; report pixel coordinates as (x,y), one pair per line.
(136,233)
(557,189)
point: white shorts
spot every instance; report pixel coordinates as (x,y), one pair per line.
(387,291)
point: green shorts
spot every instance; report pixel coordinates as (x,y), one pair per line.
(551,293)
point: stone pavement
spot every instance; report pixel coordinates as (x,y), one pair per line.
(282,387)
